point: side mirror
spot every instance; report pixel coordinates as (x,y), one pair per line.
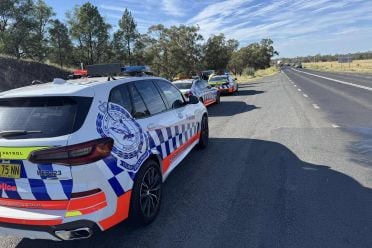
(193,100)
(177,104)
(235,79)
(209,87)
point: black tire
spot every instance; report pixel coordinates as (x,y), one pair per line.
(145,202)
(218,98)
(237,87)
(204,133)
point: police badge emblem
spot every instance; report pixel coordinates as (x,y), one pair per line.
(131,145)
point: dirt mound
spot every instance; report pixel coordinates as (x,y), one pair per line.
(17,73)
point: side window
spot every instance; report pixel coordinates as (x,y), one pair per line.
(199,84)
(151,96)
(120,95)
(231,80)
(171,93)
(205,84)
(139,108)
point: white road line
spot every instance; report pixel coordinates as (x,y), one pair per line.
(295,85)
(335,126)
(316,106)
(335,80)
(299,90)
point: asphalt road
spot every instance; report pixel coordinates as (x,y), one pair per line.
(278,172)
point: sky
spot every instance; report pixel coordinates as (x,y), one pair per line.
(297,27)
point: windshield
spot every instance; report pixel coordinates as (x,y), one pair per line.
(184,85)
(217,79)
(43,117)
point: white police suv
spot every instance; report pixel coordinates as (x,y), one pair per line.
(199,88)
(83,155)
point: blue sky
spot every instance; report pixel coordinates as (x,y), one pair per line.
(298,27)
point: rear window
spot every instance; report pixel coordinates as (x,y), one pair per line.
(45,117)
(183,85)
(216,79)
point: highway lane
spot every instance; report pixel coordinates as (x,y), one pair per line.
(346,105)
(362,79)
(276,174)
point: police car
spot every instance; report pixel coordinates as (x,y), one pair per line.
(83,155)
(225,83)
(199,88)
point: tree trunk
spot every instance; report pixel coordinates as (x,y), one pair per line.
(129,58)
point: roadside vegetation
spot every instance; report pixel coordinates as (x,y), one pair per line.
(249,76)
(358,66)
(29,30)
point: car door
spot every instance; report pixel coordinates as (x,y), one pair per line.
(232,82)
(210,92)
(152,112)
(199,90)
(186,127)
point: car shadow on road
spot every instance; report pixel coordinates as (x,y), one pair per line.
(249,92)
(248,193)
(248,84)
(229,108)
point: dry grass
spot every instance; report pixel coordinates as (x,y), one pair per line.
(66,68)
(258,75)
(359,66)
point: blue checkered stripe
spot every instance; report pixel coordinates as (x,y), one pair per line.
(166,140)
(119,179)
(210,96)
(225,86)
(31,186)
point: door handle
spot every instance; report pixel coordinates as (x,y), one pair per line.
(153,126)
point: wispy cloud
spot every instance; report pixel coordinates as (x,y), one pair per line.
(286,20)
(297,27)
(173,7)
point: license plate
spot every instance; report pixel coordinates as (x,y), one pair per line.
(10,170)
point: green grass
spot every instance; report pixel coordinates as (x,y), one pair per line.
(258,75)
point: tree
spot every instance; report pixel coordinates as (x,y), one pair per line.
(253,56)
(42,14)
(128,31)
(236,64)
(89,30)
(60,43)
(16,26)
(218,51)
(118,48)
(175,50)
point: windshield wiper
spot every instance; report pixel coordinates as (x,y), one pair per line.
(9,133)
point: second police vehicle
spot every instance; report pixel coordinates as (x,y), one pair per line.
(199,88)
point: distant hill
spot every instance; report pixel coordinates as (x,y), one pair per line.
(17,73)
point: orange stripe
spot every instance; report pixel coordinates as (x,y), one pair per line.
(209,102)
(94,208)
(121,213)
(167,161)
(87,201)
(32,204)
(32,222)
